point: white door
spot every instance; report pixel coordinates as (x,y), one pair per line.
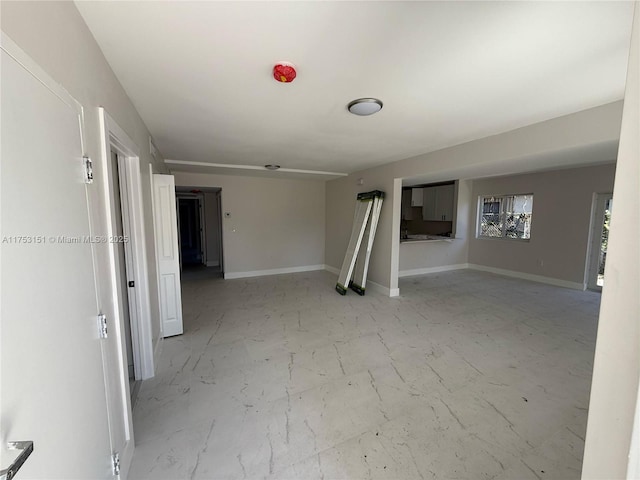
(52,384)
(166,225)
(118,346)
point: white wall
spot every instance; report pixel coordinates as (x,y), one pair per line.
(579,138)
(616,370)
(274,224)
(562,201)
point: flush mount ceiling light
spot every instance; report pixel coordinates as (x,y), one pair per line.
(272,167)
(365,106)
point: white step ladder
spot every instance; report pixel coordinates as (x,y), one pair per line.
(356,261)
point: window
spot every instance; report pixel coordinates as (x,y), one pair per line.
(505,216)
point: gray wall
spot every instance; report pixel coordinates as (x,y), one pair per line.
(274,223)
(562,201)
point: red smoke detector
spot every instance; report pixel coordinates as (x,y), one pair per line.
(284,72)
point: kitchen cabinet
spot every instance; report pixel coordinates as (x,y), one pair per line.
(445,201)
(438,203)
(407,212)
(429,204)
(417,197)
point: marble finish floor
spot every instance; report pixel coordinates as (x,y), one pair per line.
(466,375)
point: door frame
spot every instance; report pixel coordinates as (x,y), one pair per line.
(219,228)
(154,152)
(114,138)
(129,257)
(203,229)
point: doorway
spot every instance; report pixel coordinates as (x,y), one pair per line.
(124,259)
(192,235)
(200,231)
(603,206)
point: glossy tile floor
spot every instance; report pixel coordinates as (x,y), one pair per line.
(466,375)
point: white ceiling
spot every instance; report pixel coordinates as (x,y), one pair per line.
(199,73)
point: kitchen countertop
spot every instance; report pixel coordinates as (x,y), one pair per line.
(425,238)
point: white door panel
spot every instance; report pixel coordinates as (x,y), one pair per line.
(52,383)
(167,254)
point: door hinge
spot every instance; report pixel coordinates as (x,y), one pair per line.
(88,169)
(132,283)
(115,462)
(102,325)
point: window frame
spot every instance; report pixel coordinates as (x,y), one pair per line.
(502,215)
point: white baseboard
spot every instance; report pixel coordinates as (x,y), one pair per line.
(274,271)
(376,287)
(371,286)
(213,263)
(529,276)
(331,269)
(424,271)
